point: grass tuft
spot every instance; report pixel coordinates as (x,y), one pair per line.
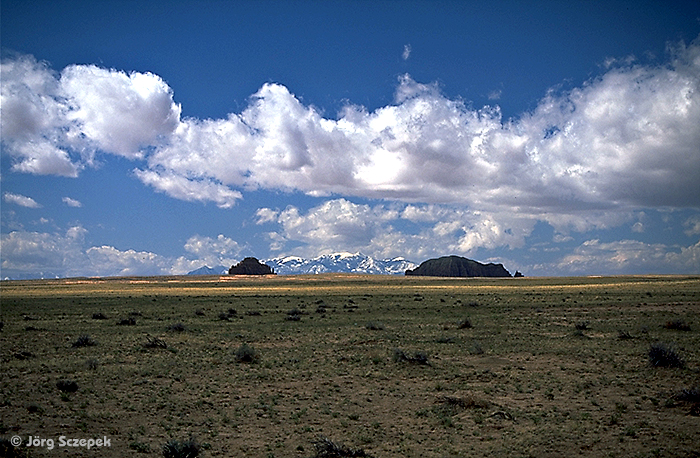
(663,355)
(326,448)
(84,341)
(181,449)
(418,357)
(155,342)
(462,403)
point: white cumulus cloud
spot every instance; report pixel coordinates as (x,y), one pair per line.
(31,252)
(67,254)
(589,157)
(629,256)
(406,52)
(629,138)
(183,188)
(626,139)
(53,123)
(72,202)
(109,261)
(374,230)
(18,199)
(212,252)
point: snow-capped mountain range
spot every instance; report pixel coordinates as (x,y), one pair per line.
(340,262)
(335,262)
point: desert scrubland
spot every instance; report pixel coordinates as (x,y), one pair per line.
(285,366)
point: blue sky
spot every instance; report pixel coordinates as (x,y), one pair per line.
(559,138)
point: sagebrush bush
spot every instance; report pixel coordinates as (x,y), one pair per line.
(246,354)
(34,408)
(678,325)
(228,314)
(689,395)
(663,355)
(418,357)
(177,327)
(126,322)
(445,340)
(476,349)
(10,451)
(452,405)
(624,335)
(67,386)
(464,324)
(326,448)
(23,355)
(84,341)
(99,316)
(181,449)
(294,315)
(581,325)
(155,342)
(374,326)
(140,447)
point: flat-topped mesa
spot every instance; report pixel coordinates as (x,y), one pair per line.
(457,266)
(250,266)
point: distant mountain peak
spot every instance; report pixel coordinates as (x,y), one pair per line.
(206,270)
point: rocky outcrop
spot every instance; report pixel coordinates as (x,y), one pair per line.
(250,266)
(457,266)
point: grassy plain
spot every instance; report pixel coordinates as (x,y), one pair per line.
(545,367)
